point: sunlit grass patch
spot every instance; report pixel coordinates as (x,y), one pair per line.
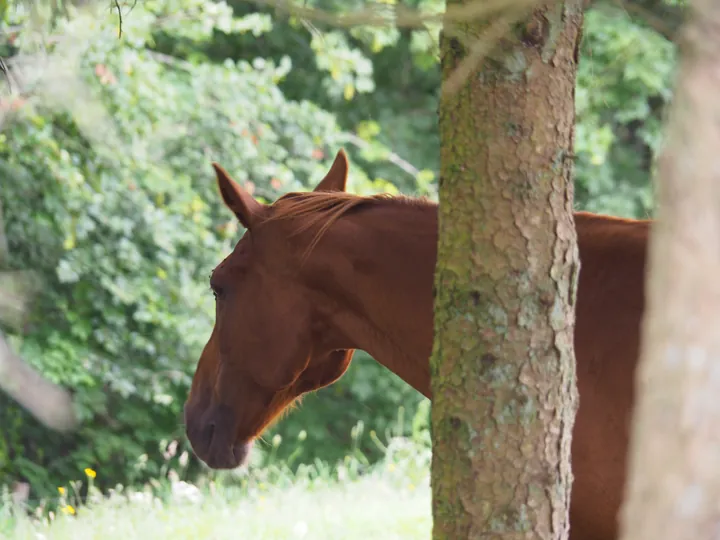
(368,508)
(389,501)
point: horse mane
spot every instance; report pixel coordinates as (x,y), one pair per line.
(324,208)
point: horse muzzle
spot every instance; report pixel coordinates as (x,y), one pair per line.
(212,436)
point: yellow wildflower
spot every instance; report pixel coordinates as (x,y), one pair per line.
(90,473)
(61,490)
(68,509)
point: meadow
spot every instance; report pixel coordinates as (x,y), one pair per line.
(389,500)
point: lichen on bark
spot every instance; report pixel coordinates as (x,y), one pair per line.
(503,368)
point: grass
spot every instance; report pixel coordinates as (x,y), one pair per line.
(387,502)
(368,508)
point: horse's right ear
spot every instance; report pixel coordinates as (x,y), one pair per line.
(237,199)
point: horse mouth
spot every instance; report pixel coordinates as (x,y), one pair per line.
(214,439)
(233,457)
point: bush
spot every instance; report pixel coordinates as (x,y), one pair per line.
(108,192)
(120,218)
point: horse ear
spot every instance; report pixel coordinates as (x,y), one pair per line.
(336,178)
(237,199)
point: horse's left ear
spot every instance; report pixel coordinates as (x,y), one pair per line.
(242,204)
(336,178)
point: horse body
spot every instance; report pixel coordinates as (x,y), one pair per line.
(321,274)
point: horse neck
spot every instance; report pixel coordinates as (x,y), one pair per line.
(377,272)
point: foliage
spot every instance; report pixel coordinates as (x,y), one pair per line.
(623,86)
(381,83)
(624,82)
(109,194)
(121,218)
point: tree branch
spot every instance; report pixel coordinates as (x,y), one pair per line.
(392,157)
(656,14)
(48,402)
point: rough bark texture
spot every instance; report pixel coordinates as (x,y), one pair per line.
(673,488)
(503,366)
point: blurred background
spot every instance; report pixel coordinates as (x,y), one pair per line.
(108,197)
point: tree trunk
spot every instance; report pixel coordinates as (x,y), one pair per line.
(503,367)
(673,487)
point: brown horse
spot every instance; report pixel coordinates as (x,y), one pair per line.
(320,274)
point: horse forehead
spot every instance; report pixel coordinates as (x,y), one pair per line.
(237,260)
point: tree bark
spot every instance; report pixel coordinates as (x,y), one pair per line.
(673,487)
(503,367)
